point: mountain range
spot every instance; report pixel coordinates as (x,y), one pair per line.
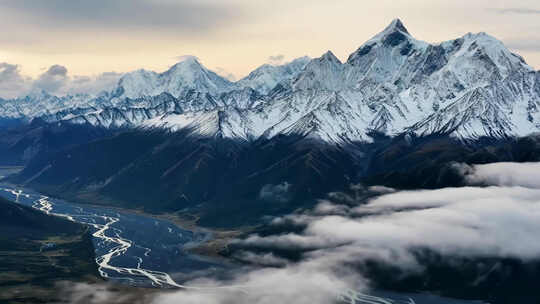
(469,88)
(398,114)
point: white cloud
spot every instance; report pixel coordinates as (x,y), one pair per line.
(276,193)
(187,57)
(381,189)
(309,282)
(82,293)
(276,60)
(325,207)
(498,221)
(265,259)
(225,74)
(55,80)
(92,84)
(12,83)
(52,80)
(506,174)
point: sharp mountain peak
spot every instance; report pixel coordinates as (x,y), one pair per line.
(329,56)
(396,25)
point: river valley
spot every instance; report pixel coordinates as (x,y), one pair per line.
(139,250)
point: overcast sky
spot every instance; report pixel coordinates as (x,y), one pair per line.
(236,36)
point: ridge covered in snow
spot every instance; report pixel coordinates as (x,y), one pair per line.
(266,77)
(468,87)
(188,74)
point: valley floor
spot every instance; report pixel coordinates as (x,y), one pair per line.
(215,244)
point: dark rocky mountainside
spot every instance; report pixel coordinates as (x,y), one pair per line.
(38,251)
(228,182)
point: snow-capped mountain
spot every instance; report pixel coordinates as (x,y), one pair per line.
(181,78)
(324,73)
(41,103)
(469,87)
(266,77)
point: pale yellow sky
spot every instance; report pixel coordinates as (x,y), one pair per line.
(236,36)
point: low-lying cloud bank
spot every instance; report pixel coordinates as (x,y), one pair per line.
(55,80)
(504,174)
(493,221)
(500,220)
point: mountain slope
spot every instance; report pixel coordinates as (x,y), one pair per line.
(183,171)
(29,272)
(267,77)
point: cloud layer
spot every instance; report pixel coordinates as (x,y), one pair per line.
(498,221)
(126,14)
(506,174)
(468,221)
(55,80)
(12,83)
(276,59)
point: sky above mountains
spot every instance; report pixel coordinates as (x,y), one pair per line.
(48,40)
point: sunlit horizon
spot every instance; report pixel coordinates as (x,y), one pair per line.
(236,38)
